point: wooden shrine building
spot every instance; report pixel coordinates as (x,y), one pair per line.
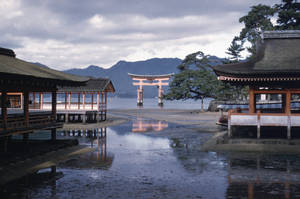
(273,73)
(18,76)
(88,101)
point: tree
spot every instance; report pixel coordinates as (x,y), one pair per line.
(257,20)
(288,15)
(196,80)
(235,50)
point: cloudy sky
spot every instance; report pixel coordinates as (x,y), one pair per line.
(76,33)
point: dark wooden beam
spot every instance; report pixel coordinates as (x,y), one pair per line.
(4,103)
(26,108)
(54,104)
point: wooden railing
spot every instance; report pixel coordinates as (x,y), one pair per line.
(17,122)
(259,119)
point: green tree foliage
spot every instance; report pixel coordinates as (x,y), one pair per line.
(196,80)
(288,15)
(258,19)
(235,50)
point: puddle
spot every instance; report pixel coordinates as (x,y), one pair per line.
(129,163)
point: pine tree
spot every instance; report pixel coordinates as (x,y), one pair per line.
(235,50)
(288,15)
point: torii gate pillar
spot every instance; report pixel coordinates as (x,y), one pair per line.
(150,80)
(140,96)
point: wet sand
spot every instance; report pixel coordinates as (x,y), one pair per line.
(201,121)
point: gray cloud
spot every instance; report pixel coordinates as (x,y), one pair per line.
(73,33)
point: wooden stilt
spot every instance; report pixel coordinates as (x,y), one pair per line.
(258,124)
(229,124)
(53,134)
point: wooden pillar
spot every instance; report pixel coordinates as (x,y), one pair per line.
(105,105)
(140,96)
(78,100)
(66,100)
(250,191)
(69,100)
(42,100)
(160,95)
(98,101)
(92,101)
(251,101)
(4,104)
(101,101)
(54,105)
(287,190)
(83,100)
(26,108)
(33,100)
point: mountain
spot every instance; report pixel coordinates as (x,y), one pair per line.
(118,73)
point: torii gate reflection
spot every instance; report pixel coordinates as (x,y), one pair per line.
(150,80)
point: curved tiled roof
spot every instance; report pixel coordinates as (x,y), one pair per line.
(92,85)
(11,66)
(278,55)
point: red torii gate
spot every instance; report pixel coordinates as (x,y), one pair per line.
(150,80)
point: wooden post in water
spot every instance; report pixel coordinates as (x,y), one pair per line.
(229,124)
(258,124)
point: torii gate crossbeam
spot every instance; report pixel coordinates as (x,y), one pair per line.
(150,80)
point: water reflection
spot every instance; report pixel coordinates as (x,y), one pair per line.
(263,176)
(23,188)
(98,159)
(142,125)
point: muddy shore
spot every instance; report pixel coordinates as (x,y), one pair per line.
(205,122)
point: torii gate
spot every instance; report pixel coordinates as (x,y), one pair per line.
(150,80)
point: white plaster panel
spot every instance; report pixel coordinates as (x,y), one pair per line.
(271,120)
(295,120)
(244,120)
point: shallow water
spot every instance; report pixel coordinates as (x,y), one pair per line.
(165,163)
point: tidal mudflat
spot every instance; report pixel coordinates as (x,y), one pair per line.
(158,155)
